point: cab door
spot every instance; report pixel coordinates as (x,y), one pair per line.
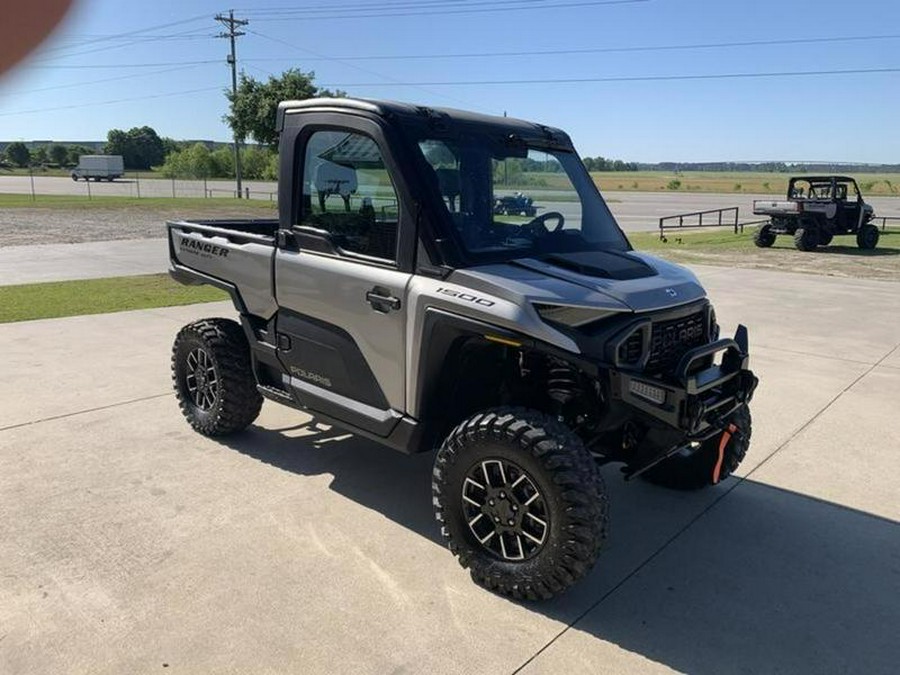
(341,282)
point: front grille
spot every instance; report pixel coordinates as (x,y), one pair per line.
(670,340)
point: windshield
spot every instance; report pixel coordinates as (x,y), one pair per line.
(508,200)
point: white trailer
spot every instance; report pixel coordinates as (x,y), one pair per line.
(99,167)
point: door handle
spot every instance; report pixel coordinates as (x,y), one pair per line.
(381,299)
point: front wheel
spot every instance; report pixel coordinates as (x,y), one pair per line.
(806,238)
(520,501)
(213,377)
(764,237)
(709,463)
(867,237)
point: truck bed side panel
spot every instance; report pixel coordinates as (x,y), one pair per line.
(241,259)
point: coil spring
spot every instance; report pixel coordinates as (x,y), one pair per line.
(562,382)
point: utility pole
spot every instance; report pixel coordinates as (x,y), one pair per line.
(231,24)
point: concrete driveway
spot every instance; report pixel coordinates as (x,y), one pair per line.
(129,544)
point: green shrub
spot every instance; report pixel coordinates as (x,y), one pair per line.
(674,185)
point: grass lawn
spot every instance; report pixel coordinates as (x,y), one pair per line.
(722,247)
(98,296)
(68,202)
(884,184)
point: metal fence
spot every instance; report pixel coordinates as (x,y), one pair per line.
(726,217)
(884,221)
(135,185)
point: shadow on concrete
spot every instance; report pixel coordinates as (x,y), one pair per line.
(767,580)
(391,483)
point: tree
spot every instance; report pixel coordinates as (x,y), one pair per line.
(59,154)
(193,162)
(75,152)
(256,163)
(39,156)
(140,147)
(255,104)
(223,162)
(170,145)
(18,153)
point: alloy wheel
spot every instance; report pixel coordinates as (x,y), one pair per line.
(504,510)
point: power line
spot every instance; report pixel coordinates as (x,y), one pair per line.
(604,50)
(313,56)
(355,67)
(398,5)
(130,76)
(292,16)
(379,4)
(639,78)
(119,66)
(109,102)
(121,45)
(138,31)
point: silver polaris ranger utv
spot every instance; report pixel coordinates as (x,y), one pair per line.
(390,299)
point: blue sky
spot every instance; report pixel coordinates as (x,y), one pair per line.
(836,117)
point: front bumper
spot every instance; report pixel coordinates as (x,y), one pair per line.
(700,394)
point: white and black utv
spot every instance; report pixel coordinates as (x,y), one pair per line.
(816,209)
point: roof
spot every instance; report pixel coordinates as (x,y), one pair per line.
(822,178)
(392,110)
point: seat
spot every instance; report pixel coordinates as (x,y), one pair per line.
(335,179)
(449,185)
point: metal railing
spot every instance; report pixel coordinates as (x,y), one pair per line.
(247,193)
(713,218)
(717,218)
(137,185)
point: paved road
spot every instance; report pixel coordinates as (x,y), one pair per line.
(91,260)
(128,542)
(634,210)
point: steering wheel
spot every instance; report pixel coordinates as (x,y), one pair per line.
(542,221)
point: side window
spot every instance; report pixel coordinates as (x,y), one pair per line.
(348,192)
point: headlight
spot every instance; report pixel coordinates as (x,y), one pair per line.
(572,316)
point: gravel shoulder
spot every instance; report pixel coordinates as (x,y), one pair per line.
(26,226)
(833,261)
(44,225)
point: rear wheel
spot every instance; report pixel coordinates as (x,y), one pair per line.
(698,468)
(764,237)
(825,238)
(806,238)
(520,501)
(213,378)
(867,237)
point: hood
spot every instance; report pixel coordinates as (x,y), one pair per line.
(639,281)
(623,282)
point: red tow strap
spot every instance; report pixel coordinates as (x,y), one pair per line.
(726,437)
